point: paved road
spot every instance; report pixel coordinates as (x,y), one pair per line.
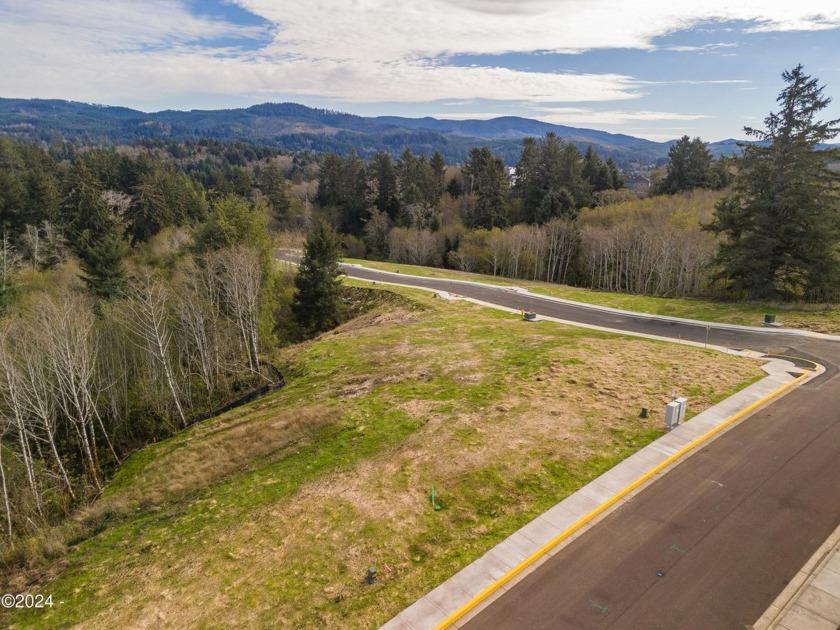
(726,529)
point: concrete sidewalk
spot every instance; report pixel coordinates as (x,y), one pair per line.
(812,599)
(501,568)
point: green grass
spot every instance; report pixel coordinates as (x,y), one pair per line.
(819,318)
(504,418)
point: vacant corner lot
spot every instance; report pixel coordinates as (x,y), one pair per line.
(824,318)
(270,515)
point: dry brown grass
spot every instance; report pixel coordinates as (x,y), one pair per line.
(212,452)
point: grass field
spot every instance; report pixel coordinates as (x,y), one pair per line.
(270,515)
(817,318)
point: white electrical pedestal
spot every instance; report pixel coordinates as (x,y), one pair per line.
(672,415)
(682,403)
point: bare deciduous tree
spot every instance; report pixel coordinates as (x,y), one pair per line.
(14,410)
(66,324)
(239,272)
(38,392)
(149,321)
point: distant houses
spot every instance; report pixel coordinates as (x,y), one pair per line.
(638,183)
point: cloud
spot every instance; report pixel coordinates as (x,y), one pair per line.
(130,52)
(584,116)
(505,7)
(697,82)
(114,27)
(700,49)
(106,51)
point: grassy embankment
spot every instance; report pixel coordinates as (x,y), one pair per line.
(270,515)
(817,318)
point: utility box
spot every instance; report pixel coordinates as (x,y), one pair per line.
(672,415)
(682,402)
(770,320)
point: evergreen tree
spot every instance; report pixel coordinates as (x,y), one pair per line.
(97,231)
(29,187)
(383,179)
(101,256)
(163,197)
(721,177)
(417,180)
(83,205)
(232,221)
(614,178)
(526,186)
(354,207)
(596,172)
(555,203)
(276,190)
(571,169)
(488,181)
(316,305)
(454,188)
(550,179)
(438,166)
(329,181)
(343,187)
(782,220)
(9,264)
(689,166)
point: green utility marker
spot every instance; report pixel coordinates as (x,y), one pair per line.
(602,607)
(437,507)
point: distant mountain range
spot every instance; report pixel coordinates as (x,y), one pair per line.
(296,127)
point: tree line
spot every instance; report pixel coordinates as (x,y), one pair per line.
(773,235)
(649,246)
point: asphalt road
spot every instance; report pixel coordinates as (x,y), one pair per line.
(711,544)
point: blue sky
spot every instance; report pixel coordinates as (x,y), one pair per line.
(655,69)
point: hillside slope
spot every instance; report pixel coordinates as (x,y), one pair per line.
(270,515)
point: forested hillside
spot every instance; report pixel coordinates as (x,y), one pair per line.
(293,127)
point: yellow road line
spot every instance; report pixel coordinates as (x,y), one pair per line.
(527,562)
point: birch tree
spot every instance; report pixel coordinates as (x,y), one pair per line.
(240,278)
(149,321)
(66,324)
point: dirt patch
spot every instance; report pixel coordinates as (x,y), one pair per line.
(377,319)
(362,386)
(419,408)
(469,378)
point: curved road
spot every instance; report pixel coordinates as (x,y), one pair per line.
(711,544)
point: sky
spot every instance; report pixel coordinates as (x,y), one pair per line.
(653,69)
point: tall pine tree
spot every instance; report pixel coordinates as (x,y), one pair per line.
(689,166)
(782,221)
(316,305)
(97,232)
